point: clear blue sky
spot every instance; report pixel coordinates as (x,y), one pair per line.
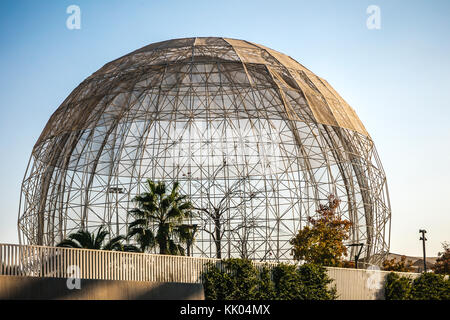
(396,78)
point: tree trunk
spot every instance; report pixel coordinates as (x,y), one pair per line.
(188,249)
(217,241)
(162,247)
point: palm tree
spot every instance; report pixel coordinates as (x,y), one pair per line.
(158,216)
(87,240)
(187,233)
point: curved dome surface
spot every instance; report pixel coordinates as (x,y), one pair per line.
(256,139)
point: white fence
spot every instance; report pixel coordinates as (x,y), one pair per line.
(40,261)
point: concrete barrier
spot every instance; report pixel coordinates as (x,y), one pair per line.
(18,287)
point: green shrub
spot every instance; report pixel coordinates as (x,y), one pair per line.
(430,286)
(266,287)
(287,282)
(240,280)
(215,283)
(397,287)
(316,283)
(243,279)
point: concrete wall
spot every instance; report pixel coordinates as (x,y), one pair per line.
(361,284)
(17,287)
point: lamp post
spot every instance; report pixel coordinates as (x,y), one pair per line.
(116,191)
(423,231)
(360,245)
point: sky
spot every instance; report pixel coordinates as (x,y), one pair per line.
(397,78)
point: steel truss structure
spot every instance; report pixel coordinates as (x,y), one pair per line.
(254,138)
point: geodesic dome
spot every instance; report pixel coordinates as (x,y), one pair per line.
(255,139)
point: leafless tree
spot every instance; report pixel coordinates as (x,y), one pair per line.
(221,208)
(242,233)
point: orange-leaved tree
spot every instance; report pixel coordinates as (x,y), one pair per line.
(322,241)
(442,265)
(399,266)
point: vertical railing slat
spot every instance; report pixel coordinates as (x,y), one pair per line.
(55,262)
(14,260)
(88,263)
(8,262)
(113,266)
(1,259)
(104,264)
(78,262)
(108,270)
(13,249)
(118,264)
(101,263)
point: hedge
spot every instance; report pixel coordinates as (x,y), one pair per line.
(428,286)
(241,280)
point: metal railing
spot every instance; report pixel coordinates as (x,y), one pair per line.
(57,262)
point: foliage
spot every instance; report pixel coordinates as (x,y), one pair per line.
(163,212)
(226,285)
(442,265)
(241,280)
(87,240)
(399,266)
(347,264)
(244,279)
(216,283)
(316,283)
(186,234)
(397,287)
(266,287)
(307,282)
(430,286)
(287,282)
(322,243)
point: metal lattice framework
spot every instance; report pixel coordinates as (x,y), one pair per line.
(254,138)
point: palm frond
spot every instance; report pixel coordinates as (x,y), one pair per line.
(138,222)
(83,237)
(165,211)
(147,240)
(114,244)
(135,231)
(100,237)
(130,248)
(67,243)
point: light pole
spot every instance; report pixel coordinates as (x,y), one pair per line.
(359,252)
(423,231)
(116,191)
